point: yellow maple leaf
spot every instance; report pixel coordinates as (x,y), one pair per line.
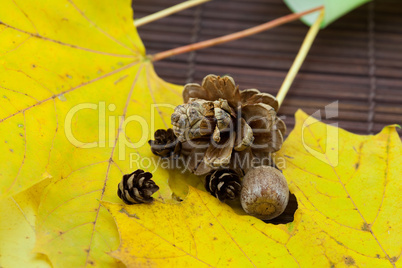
(17,229)
(70,73)
(348,214)
(76,97)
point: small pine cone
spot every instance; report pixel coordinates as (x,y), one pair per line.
(165,143)
(137,187)
(223,184)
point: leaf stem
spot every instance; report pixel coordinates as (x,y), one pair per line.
(168,11)
(233,36)
(301,55)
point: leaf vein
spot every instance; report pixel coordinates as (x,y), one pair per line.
(100,29)
(385,177)
(168,242)
(18,92)
(65,203)
(70,90)
(38,36)
(350,197)
(23,159)
(231,237)
(110,162)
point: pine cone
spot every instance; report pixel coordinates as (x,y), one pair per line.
(165,143)
(137,187)
(223,184)
(223,127)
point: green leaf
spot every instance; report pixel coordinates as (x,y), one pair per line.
(334,9)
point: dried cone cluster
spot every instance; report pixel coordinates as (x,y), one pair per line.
(220,126)
(225,133)
(220,131)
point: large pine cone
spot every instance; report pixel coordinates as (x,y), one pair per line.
(222,127)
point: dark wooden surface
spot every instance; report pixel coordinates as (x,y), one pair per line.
(357,60)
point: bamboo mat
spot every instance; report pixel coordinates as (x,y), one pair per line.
(356,60)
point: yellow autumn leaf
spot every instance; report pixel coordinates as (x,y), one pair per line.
(17,229)
(348,214)
(55,56)
(76,97)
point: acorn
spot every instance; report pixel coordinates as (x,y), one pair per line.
(264,193)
